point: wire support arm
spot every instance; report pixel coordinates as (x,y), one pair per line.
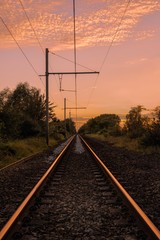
(57,73)
(76,108)
(67,73)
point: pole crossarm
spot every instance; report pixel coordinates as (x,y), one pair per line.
(67,73)
(57,73)
(75,107)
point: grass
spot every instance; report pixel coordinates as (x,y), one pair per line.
(126,142)
(14,150)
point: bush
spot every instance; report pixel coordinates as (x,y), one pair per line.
(103,124)
(7,150)
(152,136)
(28,128)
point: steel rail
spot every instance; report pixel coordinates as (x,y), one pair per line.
(147,225)
(24,159)
(9,226)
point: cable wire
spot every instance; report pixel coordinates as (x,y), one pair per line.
(71,61)
(31,26)
(42,49)
(115,34)
(31,65)
(109,48)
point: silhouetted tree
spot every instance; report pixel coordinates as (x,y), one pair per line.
(135,124)
(64,128)
(152,134)
(22,111)
(104,124)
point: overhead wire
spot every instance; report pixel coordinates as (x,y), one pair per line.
(71,61)
(31,65)
(109,48)
(31,26)
(115,34)
(40,45)
(75,57)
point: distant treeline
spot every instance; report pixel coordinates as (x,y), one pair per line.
(22,115)
(144,127)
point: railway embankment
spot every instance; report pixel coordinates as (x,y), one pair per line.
(138,173)
(76,201)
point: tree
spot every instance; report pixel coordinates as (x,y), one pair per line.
(22,111)
(104,124)
(62,128)
(156,114)
(70,126)
(135,124)
(152,134)
(4,95)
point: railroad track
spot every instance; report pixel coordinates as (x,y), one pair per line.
(78,198)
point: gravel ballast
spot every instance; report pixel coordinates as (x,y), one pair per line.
(138,173)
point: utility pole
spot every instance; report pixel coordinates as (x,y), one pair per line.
(75,55)
(64,109)
(65,117)
(47,97)
(47,92)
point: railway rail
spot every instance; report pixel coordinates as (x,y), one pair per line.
(78,198)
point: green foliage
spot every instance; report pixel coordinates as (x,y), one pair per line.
(12,151)
(119,141)
(140,131)
(135,124)
(105,124)
(156,115)
(6,149)
(62,128)
(22,112)
(152,134)
(69,126)
(141,127)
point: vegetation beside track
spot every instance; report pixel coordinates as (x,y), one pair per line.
(12,151)
(23,126)
(140,131)
(126,142)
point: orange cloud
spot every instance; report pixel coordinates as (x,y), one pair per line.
(96,23)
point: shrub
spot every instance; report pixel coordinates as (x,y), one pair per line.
(152,136)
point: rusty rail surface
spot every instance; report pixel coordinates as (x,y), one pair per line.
(147,225)
(7,230)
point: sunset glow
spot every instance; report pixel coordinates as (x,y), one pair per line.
(125,49)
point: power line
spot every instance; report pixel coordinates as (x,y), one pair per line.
(21,49)
(37,39)
(56,82)
(109,48)
(115,34)
(34,33)
(71,61)
(31,26)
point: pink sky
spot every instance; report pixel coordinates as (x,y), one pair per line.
(129,76)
